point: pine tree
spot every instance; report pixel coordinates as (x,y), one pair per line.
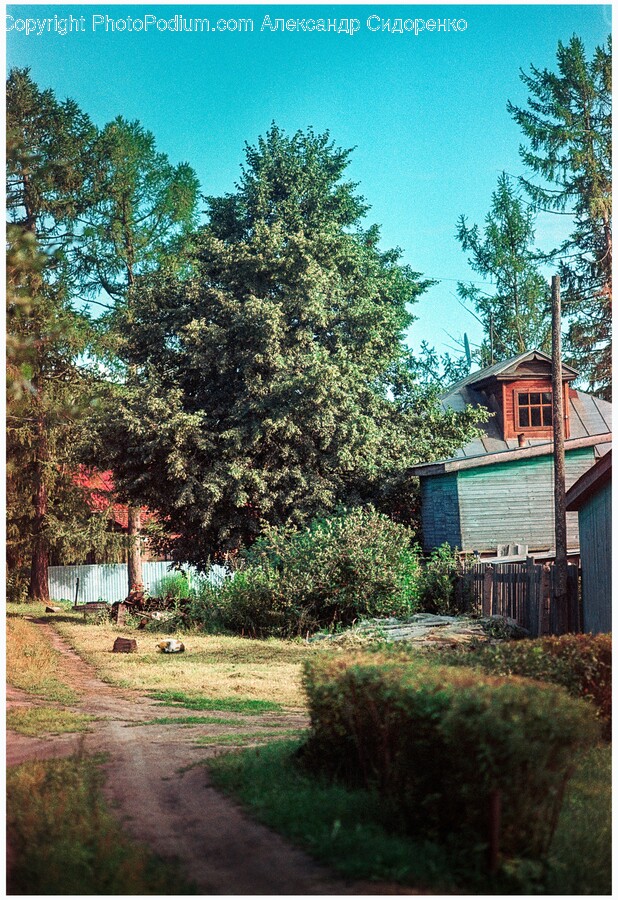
(266,363)
(567,125)
(516,314)
(142,207)
(47,183)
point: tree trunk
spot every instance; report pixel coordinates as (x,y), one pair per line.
(134,553)
(39,587)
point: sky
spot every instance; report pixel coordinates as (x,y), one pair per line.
(425,112)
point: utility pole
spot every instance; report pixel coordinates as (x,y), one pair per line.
(560,568)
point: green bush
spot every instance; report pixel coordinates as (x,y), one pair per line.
(175,586)
(439,586)
(354,565)
(582,663)
(438,741)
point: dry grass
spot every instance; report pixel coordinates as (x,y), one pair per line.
(37,721)
(212,666)
(33,665)
(64,841)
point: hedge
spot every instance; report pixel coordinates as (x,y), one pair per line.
(581,663)
(439,743)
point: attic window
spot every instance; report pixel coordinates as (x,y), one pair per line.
(534,409)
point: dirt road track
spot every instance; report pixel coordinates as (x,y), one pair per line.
(164,798)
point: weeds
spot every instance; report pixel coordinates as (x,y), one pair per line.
(64,841)
(33,665)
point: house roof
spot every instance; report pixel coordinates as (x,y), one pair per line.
(590,482)
(590,419)
(99,489)
(510,368)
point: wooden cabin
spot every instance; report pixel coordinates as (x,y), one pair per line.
(498,489)
(591,498)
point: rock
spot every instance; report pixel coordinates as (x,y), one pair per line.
(124,645)
(53,609)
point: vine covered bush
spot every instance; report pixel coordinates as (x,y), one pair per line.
(354,565)
(438,743)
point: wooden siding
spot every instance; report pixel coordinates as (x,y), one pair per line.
(514,502)
(595,529)
(440,511)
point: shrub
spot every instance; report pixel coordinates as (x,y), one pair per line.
(437,742)
(175,586)
(357,564)
(581,663)
(440,582)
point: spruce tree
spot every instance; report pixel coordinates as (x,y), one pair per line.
(568,131)
(266,361)
(515,311)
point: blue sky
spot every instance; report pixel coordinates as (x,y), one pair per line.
(426,113)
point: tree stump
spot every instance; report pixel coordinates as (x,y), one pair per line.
(124,645)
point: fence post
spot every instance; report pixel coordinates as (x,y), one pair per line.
(488,590)
(545,592)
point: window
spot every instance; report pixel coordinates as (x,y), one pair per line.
(534,409)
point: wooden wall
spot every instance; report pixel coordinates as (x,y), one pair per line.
(511,502)
(440,511)
(595,529)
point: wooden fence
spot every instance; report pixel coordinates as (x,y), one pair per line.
(524,591)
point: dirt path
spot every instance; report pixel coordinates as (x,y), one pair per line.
(164,798)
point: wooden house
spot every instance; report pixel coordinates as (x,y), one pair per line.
(498,489)
(590,497)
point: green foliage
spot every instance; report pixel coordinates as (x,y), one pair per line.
(568,128)
(265,358)
(175,586)
(349,830)
(357,564)
(64,841)
(353,831)
(437,742)
(439,582)
(581,853)
(51,389)
(581,663)
(517,312)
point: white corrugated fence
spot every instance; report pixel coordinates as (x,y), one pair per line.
(110,582)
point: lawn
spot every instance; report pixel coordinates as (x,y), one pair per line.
(213,666)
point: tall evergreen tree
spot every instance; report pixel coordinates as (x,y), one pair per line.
(142,207)
(47,182)
(567,126)
(265,365)
(516,315)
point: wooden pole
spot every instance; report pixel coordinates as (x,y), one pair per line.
(560,579)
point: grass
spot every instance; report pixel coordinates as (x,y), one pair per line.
(187,721)
(33,665)
(239,739)
(216,667)
(38,721)
(64,841)
(349,830)
(220,704)
(581,851)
